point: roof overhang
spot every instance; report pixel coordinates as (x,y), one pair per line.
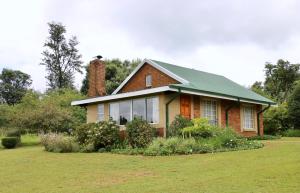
(152,63)
(121,95)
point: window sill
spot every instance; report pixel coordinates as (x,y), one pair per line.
(249,129)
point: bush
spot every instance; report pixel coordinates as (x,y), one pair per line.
(201,128)
(177,125)
(59,143)
(291,133)
(95,136)
(10,142)
(276,120)
(139,133)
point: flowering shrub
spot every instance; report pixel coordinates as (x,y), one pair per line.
(139,133)
(59,143)
(95,136)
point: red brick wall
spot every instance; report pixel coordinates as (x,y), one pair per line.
(234,118)
(138,81)
(96,78)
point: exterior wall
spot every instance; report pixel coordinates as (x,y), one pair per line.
(235,113)
(138,81)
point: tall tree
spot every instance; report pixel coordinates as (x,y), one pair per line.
(294,106)
(116,72)
(280,79)
(13,85)
(61,57)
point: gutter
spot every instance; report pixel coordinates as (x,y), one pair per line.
(167,108)
(227,110)
(258,119)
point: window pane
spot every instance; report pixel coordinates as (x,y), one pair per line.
(125,112)
(248,118)
(152,110)
(101,112)
(139,108)
(209,111)
(148,80)
(114,112)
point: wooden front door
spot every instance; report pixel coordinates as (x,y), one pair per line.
(185,106)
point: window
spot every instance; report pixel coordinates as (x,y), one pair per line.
(209,111)
(152,110)
(125,112)
(139,108)
(144,108)
(148,80)
(100,112)
(248,118)
(114,112)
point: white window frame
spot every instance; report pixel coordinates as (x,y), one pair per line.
(202,109)
(148,80)
(100,115)
(250,120)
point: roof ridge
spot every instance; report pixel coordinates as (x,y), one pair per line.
(186,67)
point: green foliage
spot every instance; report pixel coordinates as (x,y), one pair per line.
(280,79)
(276,119)
(291,133)
(200,128)
(59,143)
(60,57)
(264,137)
(13,86)
(115,73)
(294,107)
(48,112)
(177,125)
(10,142)
(139,133)
(95,136)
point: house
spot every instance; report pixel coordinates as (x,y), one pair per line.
(158,91)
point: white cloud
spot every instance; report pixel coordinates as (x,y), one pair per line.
(232,38)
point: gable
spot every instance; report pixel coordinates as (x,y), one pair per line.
(138,80)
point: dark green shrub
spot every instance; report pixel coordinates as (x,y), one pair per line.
(177,125)
(95,136)
(59,143)
(10,142)
(294,107)
(291,133)
(276,119)
(139,133)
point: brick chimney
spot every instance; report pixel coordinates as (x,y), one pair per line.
(97,78)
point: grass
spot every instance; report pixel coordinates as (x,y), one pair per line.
(274,168)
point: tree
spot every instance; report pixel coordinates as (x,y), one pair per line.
(116,72)
(258,87)
(13,85)
(280,79)
(294,107)
(60,57)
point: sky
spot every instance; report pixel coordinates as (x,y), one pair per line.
(234,38)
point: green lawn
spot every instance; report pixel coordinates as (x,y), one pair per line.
(274,168)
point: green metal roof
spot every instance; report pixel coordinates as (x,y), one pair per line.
(211,83)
